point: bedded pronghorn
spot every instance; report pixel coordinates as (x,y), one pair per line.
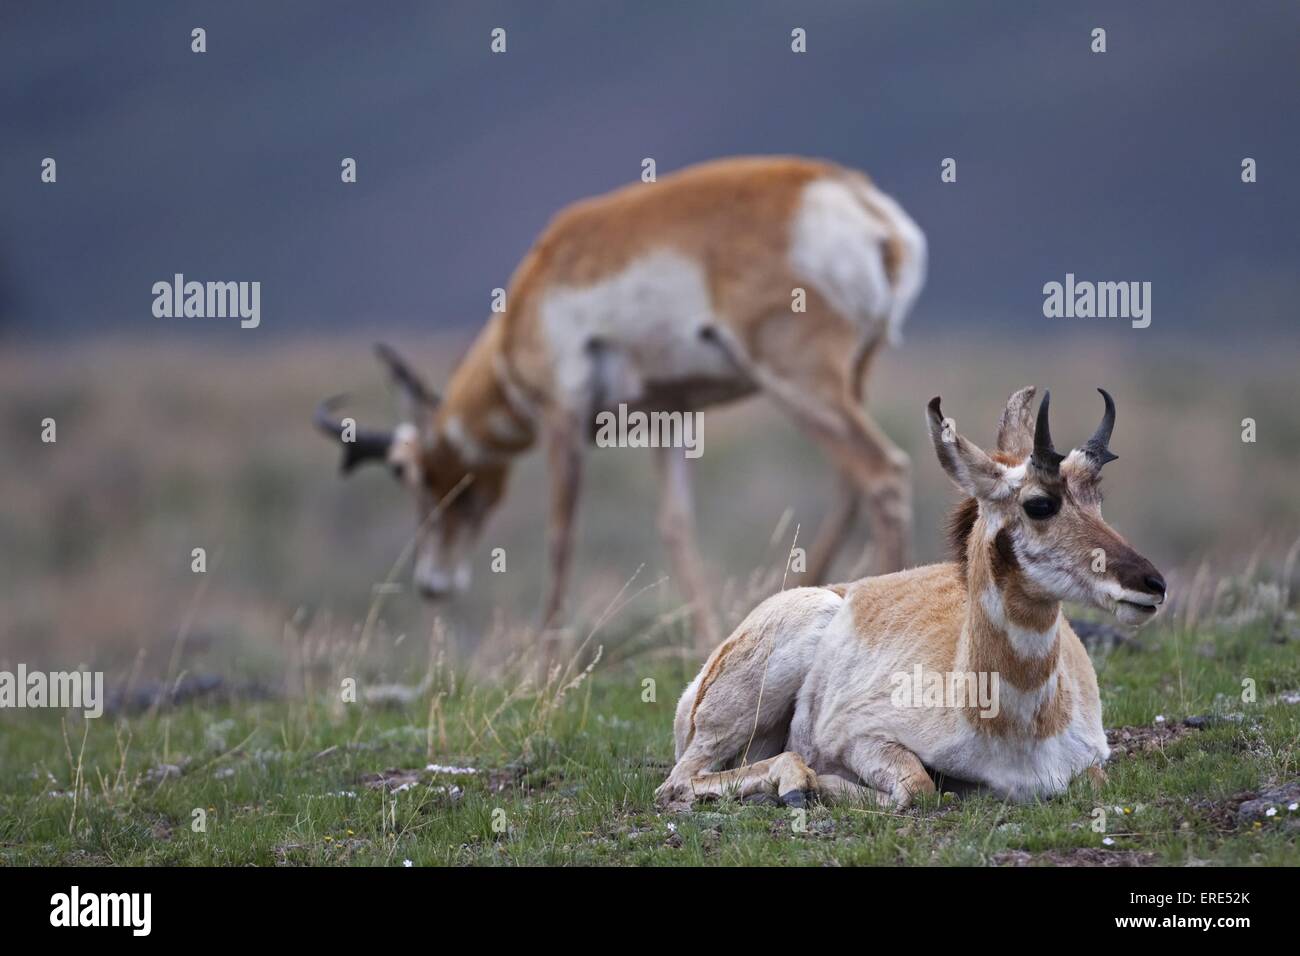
(671,296)
(803,697)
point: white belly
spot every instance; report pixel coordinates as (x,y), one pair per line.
(647,317)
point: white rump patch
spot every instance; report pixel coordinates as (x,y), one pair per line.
(835,245)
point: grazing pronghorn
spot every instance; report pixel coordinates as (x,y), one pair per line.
(803,697)
(671,296)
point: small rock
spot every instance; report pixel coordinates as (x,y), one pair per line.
(1262,807)
(1210,720)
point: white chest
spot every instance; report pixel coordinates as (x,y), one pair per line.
(1020,767)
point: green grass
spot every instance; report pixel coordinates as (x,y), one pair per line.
(569,778)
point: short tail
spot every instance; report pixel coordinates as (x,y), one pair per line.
(905,253)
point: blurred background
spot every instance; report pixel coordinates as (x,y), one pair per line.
(183,433)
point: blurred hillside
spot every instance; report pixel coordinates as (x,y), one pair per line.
(1121,166)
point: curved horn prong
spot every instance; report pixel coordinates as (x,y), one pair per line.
(1097,447)
(366,444)
(1015,426)
(1045,457)
(406,378)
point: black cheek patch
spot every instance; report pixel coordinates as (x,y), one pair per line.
(1002,555)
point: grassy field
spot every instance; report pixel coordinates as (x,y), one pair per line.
(162,448)
(564,772)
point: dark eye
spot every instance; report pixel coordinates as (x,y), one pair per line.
(1042,507)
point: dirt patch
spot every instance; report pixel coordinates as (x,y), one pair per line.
(393,780)
(437,778)
(1218,814)
(1080,856)
(161,829)
(336,851)
(1250,809)
(451,777)
(526,779)
(518,776)
(1125,741)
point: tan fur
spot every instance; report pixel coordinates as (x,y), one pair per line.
(475,392)
(734,213)
(733,220)
(713,667)
(825,695)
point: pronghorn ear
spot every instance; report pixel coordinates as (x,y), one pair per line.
(1016,426)
(419,401)
(967,465)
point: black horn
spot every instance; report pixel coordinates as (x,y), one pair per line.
(366,445)
(1045,457)
(414,387)
(1097,447)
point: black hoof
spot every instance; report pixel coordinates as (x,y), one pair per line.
(795,798)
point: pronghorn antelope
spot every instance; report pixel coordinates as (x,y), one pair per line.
(802,697)
(671,296)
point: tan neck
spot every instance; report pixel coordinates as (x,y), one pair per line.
(485,406)
(1009,633)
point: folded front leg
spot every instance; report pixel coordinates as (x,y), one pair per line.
(785,775)
(891,769)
